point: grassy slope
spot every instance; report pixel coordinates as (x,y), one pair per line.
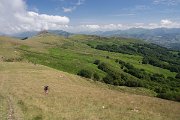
(73,51)
(72,97)
(132,59)
(8,47)
(22,84)
(76,51)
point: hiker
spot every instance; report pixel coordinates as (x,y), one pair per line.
(46,89)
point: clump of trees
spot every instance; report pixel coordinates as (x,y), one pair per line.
(89,74)
(115,78)
(117,48)
(128,68)
(152,54)
(158,63)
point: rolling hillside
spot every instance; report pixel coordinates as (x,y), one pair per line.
(71,97)
(116,61)
(111,64)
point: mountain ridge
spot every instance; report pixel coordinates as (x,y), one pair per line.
(167,37)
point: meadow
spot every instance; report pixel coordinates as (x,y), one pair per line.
(72,97)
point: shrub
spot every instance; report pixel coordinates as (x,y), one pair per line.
(96,76)
(121,82)
(170,96)
(107,57)
(85,73)
(97,62)
(108,79)
(116,82)
(178,76)
(129,66)
(133,83)
(103,67)
(145,61)
(116,60)
(24,38)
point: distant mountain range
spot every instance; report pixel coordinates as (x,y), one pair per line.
(167,37)
(33,33)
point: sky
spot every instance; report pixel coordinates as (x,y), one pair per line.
(87,15)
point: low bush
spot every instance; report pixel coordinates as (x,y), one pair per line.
(178,76)
(96,76)
(85,73)
(97,62)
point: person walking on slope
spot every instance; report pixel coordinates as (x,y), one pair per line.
(46,88)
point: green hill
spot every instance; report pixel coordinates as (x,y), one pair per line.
(110,63)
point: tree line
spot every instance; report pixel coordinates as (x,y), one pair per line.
(152,54)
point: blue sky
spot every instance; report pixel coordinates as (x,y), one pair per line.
(110,11)
(87,15)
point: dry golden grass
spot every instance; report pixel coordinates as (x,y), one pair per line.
(8,47)
(72,97)
(40,43)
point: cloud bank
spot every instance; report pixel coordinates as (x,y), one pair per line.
(164,23)
(15,18)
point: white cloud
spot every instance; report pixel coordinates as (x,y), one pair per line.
(93,26)
(72,8)
(79,28)
(166,22)
(15,18)
(169,24)
(152,25)
(108,27)
(67,9)
(96,27)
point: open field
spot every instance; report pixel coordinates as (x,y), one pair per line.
(72,97)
